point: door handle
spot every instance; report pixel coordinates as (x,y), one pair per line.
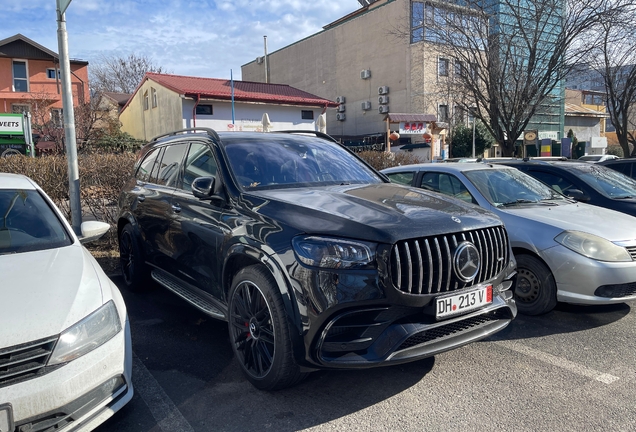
(141,198)
(176,208)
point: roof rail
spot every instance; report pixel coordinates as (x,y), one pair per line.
(209,131)
(311,132)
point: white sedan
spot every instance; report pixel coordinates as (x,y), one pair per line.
(65,346)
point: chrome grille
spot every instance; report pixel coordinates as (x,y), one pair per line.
(632,251)
(425,265)
(24,361)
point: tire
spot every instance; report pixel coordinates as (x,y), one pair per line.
(259,333)
(535,292)
(133,267)
(10,152)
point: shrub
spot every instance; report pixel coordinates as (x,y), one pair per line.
(102,177)
(615,150)
(381,160)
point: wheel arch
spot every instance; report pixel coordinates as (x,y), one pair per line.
(523,251)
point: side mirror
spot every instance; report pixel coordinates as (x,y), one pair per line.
(203,187)
(92,230)
(578,195)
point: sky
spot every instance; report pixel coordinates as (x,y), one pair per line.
(205,38)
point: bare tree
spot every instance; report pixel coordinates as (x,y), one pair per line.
(614,58)
(515,54)
(120,74)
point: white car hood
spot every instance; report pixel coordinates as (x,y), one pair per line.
(609,224)
(45,292)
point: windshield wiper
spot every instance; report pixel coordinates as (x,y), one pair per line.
(623,197)
(518,201)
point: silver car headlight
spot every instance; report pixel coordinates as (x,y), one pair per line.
(592,246)
(333,253)
(86,335)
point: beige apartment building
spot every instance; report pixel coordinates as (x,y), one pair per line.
(368,62)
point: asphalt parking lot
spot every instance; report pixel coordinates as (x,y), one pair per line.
(573,369)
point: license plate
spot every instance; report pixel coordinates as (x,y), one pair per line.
(464,302)
(6,418)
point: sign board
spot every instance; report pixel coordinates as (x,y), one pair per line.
(552,135)
(407,128)
(11,124)
(599,142)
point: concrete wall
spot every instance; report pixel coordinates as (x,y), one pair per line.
(248,116)
(146,124)
(328,64)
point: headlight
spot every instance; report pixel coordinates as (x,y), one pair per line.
(592,246)
(88,334)
(333,252)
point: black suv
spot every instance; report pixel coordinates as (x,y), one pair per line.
(591,183)
(314,258)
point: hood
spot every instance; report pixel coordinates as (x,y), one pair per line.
(609,224)
(383,212)
(45,292)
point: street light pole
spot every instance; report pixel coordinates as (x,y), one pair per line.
(69,118)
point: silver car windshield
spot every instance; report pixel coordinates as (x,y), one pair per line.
(284,163)
(607,182)
(27,223)
(511,187)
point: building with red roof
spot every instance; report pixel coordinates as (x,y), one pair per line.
(163,103)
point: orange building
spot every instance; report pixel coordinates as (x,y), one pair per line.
(30,79)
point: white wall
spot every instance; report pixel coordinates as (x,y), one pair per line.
(248,117)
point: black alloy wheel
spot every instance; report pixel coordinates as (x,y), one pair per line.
(258,331)
(535,293)
(133,268)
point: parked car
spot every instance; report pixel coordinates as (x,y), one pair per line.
(566,251)
(314,258)
(588,183)
(65,347)
(597,158)
(624,166)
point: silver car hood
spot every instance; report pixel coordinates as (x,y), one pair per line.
(609,224)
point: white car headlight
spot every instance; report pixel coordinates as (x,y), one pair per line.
(86,335)
(333,253)
(592,246)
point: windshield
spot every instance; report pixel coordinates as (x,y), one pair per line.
(27,223)
(279,162)
(606,181)
(510,187)
(592,158)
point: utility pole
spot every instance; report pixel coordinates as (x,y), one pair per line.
(474,109)
(69,118)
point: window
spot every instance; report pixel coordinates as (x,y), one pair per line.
(57,117)
(442,113)
(200,163)
(442,67)
(146,101)
(204,110)
(307,115)
(153,92)
(50,73)
(168,170)
(146,167)
(20,108)
(20,79)
(405,178)
(446,184)
(459,68)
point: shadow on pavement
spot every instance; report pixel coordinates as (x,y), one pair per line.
(565,318)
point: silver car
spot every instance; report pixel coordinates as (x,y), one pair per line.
(566,251)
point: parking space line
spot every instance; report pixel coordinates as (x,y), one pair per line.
(559,362)
(164,411)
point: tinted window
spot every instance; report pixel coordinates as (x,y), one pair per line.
(289,162)
(405,178)
(27,223)
(145,168)
(199,163)
(624,168)
(606,181)
(168,169)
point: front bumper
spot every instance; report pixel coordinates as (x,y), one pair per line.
(581,280)
(77,396)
